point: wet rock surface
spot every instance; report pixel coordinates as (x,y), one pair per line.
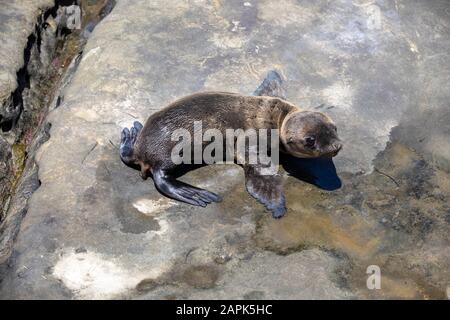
(94,229)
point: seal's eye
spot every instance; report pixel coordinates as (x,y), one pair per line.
(310,141)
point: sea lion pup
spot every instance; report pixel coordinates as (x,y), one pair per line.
(303,134)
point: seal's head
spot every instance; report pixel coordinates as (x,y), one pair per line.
(307,134)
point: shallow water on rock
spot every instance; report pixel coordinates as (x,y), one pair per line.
(396,217)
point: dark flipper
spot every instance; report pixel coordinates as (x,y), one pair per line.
(181,191)
(271,86)
(267,189)
(127,141)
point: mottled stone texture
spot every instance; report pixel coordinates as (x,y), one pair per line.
(94,229)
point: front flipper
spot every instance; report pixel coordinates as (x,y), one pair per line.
(267,189)
(127,141)
(181,191)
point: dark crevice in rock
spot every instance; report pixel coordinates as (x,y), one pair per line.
(23,81)
(51,57)
(23,74)
(26,185)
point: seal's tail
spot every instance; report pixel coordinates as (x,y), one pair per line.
(271,86)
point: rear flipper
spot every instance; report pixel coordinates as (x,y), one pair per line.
(271,86)
(181,191)
(127,141)
(267,189)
